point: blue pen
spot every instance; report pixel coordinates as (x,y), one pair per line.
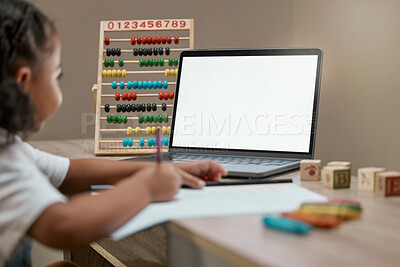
(287,225)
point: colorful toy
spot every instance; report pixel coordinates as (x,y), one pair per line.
(388,184)
(343,211)
(336,177)
(367,177)
(137,68)
(310,170)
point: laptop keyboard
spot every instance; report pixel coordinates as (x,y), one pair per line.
(232,160)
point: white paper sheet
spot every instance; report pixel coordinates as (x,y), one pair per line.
(220,201)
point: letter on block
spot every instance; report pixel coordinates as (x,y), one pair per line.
(336,177)
(367,177)
(387,184)
(310,170)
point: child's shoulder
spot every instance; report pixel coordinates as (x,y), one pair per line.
(16,156)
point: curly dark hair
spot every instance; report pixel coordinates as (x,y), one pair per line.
(25,34)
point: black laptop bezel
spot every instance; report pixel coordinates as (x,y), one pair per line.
(252,52)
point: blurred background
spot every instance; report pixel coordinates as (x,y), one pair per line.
(359,115)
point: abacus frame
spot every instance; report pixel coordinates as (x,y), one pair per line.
(101,146)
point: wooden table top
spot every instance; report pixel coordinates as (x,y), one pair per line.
(374,240)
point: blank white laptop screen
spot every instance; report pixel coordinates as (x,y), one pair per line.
(246,102)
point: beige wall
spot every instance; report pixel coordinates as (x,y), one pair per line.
(360,92)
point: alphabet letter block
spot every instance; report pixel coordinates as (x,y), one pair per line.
(367,177)
(310,170)
(388,184)
(336,177)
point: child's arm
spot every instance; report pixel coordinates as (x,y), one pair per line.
(86,172)
(86,218)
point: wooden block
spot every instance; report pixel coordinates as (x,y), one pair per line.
(310,170)
(387,184)
(367,177)
(336,177)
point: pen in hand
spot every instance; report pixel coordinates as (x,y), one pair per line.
(158,146)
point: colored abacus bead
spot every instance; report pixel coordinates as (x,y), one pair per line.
(124,142)
(106,63)
(109,73)
(119,119)
(161,62)
(124,119)
(130,142)
(135,84)
(123,108)
(176,39)
(109,118)
(137,130)
(148,107)
(107,108)
(133,41)
(146,62)
(123,96)
(113,73)
(121,62)
(140,51)
(107,41)
(167,51)
(134,96)
(164,107)
(123,73)
(148,130)
(165,84)
(119,108)
(167,72)
(169,39)
(160,118)
(128,96)
(135,52)
(128,108)
(165,141)
(140,119)
(150,84)
(139,40)
(165,118)
(171,95)
(145,119)
(145,52)
(151,118)
(151,62)
(113,52)
(150,142)
(104,73)
(114,119)
(122,85)
(170,62)
(176,62)
(140,84)
(154,40)
(144,84)
(119,73)
(129,85)
(114,85)
(166,96)
(164,39)
(108,52)
(158,39)
(149,40)
(161,51)
(117,96)
(149,51)
(133,107)
(154,106)
(160,96)
(141,142)
(111,62)
(118,52)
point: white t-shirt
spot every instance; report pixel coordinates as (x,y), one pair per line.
(29,179)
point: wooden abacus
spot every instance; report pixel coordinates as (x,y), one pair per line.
(142,51)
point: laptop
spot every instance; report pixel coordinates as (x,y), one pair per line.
(252,111)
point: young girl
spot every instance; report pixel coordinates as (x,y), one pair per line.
(33,183)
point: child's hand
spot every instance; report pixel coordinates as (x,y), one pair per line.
(204,169)
(163,181)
